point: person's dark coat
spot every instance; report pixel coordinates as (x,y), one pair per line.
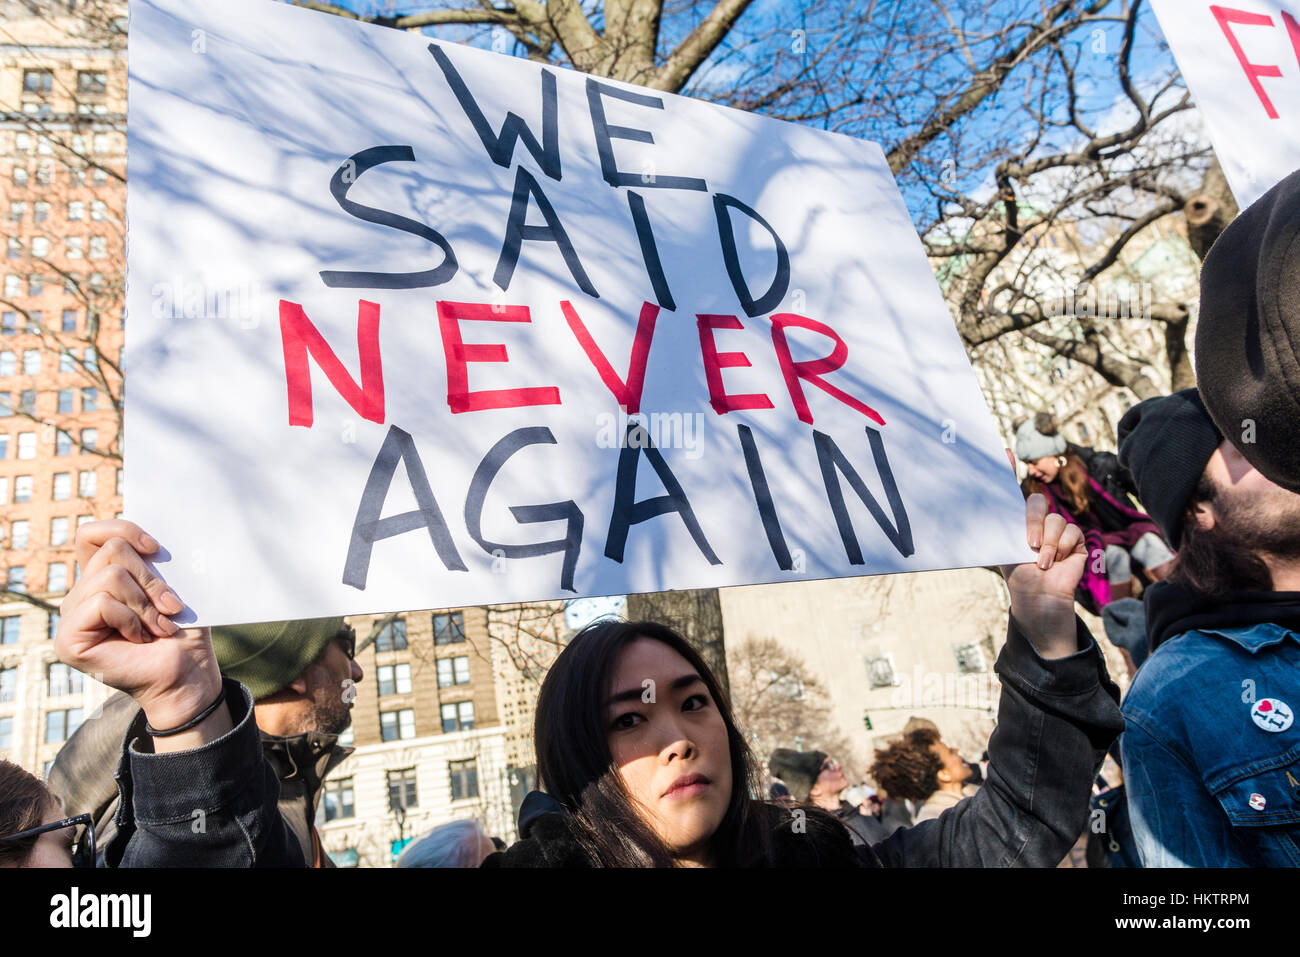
(211,806)
(1056,720)
(82,774)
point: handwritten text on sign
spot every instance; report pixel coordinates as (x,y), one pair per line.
(606,339)
(1242,63)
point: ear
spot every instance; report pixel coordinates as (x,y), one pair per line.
(299,684)
(1202,513)
(943,776)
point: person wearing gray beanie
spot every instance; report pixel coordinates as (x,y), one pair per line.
(1209,750)
(1090,488)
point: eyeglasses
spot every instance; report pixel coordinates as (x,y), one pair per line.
(830,764)
(348,636)
(83,853)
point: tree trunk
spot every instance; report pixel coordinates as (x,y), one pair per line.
(696,613)
(1210,211)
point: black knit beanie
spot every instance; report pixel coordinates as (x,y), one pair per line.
(798,770)
(1166,443)
(1248,333)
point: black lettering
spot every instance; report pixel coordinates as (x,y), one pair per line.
(628,512)
(517,230)
(568,511)
(370,528)
(344,177)
(780,282)
(829,457)
(763,498)
(606,134)
(650,252)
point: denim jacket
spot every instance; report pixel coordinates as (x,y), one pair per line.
(211,806)
(1209,785)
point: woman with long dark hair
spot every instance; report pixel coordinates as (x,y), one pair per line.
(1089,489)
(643,764)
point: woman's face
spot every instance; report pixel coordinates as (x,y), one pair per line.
(1045,469)
(53,848)
(670,746)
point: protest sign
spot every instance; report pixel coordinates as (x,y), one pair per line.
(413,325)
(1241,61)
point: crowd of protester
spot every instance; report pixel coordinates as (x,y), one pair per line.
(238,727)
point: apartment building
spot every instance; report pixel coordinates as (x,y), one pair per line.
(62,201)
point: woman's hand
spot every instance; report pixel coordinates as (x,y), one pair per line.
(113,626)
(1042,592)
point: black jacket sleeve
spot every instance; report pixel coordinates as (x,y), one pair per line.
(212,806)
(1055,721)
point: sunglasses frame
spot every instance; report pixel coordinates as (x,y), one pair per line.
(85,851)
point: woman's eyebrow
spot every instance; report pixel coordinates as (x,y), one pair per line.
(632,694)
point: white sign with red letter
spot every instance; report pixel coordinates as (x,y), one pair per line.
(1241,60)
(414,325)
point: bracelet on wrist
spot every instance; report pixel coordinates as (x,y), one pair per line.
(193,722)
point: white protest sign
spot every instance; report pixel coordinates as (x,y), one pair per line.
(415,325)
(1241,60)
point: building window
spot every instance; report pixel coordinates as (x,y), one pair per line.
(458,717)
(394,725)
(98,247)
(119,482)
(62,486)
(392,637)
(61,725)
(35,284)
(17,212)
(89,438)
(453,671)
(91,82)
(31,362)
(89,399)
(6,404)
(4,446)
(970,658)
(86,484)
(40,247)
(40,210)
(6,733)
(464,779)
(13,285)
(448,629)
(75,247)
(58,577)
(65,402)
(38,81)
(9,629)
(339,800)
(394,679)
(15,244)
(27,445)
(59,531)
(8,684)
(880,672)
(19,533)
(98,211)
(52,628)
(27,401)
(8,363)
(401,789)
(60,679)
(17,579)
(76,211)
(9,323)
(69,320)
(62,442)
(23,488)
(68,361)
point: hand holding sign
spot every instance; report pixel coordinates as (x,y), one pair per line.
(1042,593)
(114,626)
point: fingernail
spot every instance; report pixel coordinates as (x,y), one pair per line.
(168,625)
(149,542)
(172,602)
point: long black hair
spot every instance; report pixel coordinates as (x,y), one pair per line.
(576,767)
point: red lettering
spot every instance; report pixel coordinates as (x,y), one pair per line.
(715,362)
(459,354)
(627,393)
(812,370)
(300,338)
(1227,15)
(1292,32)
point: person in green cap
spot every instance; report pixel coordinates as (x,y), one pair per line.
(302,677)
